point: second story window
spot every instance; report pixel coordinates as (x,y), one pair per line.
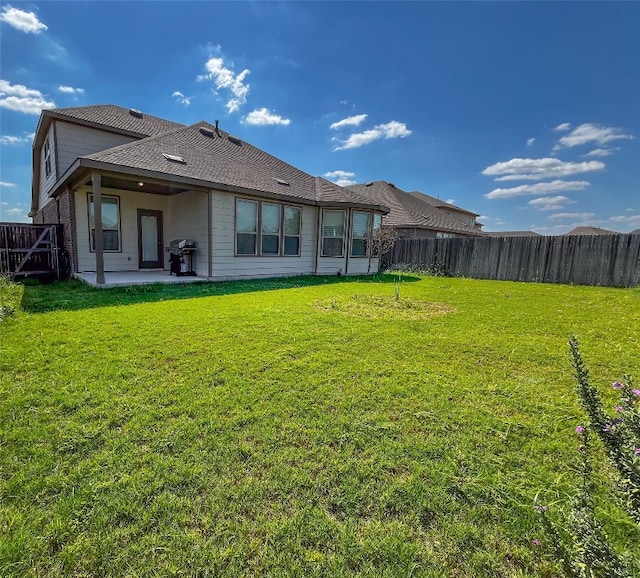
(46,153)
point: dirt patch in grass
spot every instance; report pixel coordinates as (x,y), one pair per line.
(383,307)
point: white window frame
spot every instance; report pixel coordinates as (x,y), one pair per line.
(257,228)
(46,152)
(364,237)
(117,228)
(285,235)
(259,234)
(341,237)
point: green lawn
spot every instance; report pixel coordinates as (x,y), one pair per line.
(300,427)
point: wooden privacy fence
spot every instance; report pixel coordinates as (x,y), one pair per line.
(30,250)
(609,260)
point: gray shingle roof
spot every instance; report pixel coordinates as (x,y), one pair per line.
(408,211)
(115,117)
(440,203)
(222,159)
(591,231)
(512,233)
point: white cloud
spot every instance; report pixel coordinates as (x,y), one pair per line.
(587,133)
(625,219)
(70,89)
(536,169)
(225,78)
(181,98)
(349,121)
(7,184)
(22,99)
(16,213)
(393,129)
(263,116)
(342,178)
(562,127)
(537,189)
(21,20)
(602,152)
(550,203)
(530,141)
(562,216)
(11,140)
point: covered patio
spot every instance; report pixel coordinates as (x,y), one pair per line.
(131,278)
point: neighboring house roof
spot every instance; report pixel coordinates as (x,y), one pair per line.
(201,155)
(440,203)
(591,231)
(512,234)
(409,211)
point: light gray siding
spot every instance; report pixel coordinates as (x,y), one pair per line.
(130,202)
(228,266)
(188,220)
(47,181)
(75,141)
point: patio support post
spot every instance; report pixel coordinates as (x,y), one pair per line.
(209,234)
(97,222)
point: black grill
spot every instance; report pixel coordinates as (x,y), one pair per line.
(181,257)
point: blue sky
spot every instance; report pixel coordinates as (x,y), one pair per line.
(526,113)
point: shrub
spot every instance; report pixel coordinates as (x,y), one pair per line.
(579,541)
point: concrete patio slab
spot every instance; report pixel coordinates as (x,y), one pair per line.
(129,278)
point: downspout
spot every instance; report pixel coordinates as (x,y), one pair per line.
(347,244)
(209,234)
(318,239)
(97,221)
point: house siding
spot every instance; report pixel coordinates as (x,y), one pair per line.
(187,219)
(75,141)
(47,182)
(130,202)
(228,266)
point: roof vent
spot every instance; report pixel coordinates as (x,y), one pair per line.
(135,112)
(206,132)
(368,184)
(234,140)
(391,184)
(174,158)
(281,182)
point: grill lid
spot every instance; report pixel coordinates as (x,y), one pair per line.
(182,244)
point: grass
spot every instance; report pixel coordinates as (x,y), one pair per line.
(298,427)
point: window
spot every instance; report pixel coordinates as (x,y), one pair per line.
(359,233)
(377,221)
(270,237)
(246,227)
(47,157)
(110,224)
(267,229)
(291,231)
(332,233)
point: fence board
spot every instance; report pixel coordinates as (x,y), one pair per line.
(608,260)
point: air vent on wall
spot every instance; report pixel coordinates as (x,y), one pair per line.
(135,112)
(174,158)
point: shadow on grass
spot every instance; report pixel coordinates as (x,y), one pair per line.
(74,295)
